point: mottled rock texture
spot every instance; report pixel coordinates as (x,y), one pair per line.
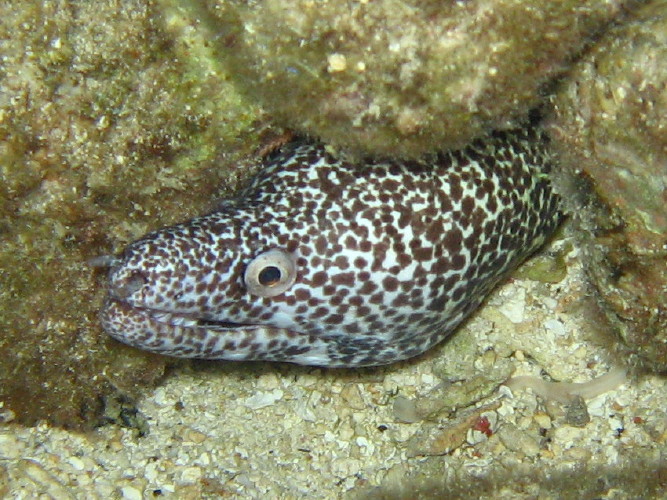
(396,77)
(611,131)
(635,476)
(108,128)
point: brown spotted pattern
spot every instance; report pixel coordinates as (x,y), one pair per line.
(390,256)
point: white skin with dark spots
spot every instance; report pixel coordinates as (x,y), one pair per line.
(323,262)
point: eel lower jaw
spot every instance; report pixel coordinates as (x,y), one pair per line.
(189,337)
(116,310)
(192,321)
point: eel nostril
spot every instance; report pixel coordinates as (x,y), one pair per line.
(121,288)
(103,261)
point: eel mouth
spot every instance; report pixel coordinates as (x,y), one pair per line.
(124,306)
(126,317)
(192,321)
(186,336)
(121,320)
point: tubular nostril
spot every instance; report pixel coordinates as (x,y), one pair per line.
(122,287)
(103,261)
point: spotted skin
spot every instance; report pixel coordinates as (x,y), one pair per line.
(390,256)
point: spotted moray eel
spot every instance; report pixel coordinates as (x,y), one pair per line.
(320,261)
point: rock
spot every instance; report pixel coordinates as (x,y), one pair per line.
(108,128)
(443,438)
(396,77)
(610,129)
(519,440)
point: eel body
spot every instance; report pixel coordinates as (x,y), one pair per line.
(324,262)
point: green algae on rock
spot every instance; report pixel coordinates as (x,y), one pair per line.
(395,77)
(107,128)
(610,128)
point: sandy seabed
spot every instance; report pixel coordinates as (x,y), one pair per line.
(261,430)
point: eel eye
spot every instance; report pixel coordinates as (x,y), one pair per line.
(269,276)
(270,273)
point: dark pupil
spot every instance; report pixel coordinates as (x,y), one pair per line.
(269,276)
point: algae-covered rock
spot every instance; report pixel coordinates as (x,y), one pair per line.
(611,130)
(396,77)
(631,476)
(109,127)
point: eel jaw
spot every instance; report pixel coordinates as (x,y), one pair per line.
(128,318)
(188,337)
